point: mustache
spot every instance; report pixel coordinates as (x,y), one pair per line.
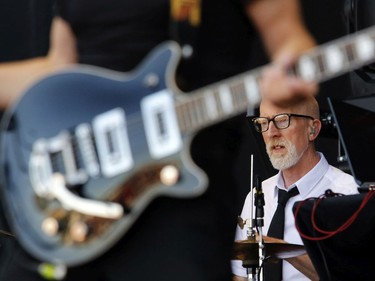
(277,142)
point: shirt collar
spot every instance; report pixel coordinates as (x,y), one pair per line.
(307,182)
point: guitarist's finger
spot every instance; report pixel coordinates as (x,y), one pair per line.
(299,86)
(286,61)
(279,87)
(274,84)
(279,83)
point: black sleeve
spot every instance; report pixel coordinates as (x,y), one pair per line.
(60,8)
(245,2)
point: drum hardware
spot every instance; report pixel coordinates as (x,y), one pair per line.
(254,263)
(257,248)
(246,250)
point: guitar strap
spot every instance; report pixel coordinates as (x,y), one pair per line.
(185,19)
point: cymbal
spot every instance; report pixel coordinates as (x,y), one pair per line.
(249,249)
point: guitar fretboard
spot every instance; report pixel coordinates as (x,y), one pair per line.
(233,96)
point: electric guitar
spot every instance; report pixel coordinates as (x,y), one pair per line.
(85,150)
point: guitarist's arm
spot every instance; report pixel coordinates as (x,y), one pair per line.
(281,26)
(16,76)
(285,37)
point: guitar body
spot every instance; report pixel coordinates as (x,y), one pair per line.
(85,150)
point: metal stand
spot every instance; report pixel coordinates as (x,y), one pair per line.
(255,264)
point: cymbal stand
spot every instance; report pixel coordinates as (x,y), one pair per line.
(252,266)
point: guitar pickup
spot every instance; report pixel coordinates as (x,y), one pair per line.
(112,142)
(160,124)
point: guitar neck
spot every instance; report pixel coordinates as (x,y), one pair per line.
(233,96)
(337,57)
(218,102)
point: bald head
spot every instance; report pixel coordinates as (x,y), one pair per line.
(305,105)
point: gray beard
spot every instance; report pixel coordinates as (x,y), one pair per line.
(286,161)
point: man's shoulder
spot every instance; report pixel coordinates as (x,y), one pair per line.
(336,172)
(344,182)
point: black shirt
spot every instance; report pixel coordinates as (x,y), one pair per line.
(117,34)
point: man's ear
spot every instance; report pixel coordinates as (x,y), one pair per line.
(315,129)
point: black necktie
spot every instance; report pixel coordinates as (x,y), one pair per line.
(273,271)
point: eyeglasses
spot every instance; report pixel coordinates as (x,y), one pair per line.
(281,121)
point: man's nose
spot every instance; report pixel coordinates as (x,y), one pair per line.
(272,129)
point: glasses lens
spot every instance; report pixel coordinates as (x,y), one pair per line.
(281,121)
(261,124)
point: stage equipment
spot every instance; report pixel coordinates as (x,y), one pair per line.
(355,122)
(361,14)
(248,250)
(338,234)
(337,230)
(257,248)
(253,263)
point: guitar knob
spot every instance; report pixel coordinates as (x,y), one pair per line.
(79,231)
(169,175)
(51,226)
(151,80)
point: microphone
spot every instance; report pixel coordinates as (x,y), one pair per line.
(259,202)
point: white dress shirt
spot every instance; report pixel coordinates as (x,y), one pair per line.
(314,184)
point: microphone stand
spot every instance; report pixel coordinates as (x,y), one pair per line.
(259,214)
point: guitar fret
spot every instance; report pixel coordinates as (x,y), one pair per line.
(330,61)
(252,89)
(192,115)
(307,68)
(365,47)
(239,96)
(199,114)
(187,115)
(201,117)
(194,112)
(211,105)
(349,50)
(226,99)
(320,63)
(184,116)
(334,59)
(218,103)
(180,118)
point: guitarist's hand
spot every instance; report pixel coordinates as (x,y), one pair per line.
(17,76)
(279,86)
